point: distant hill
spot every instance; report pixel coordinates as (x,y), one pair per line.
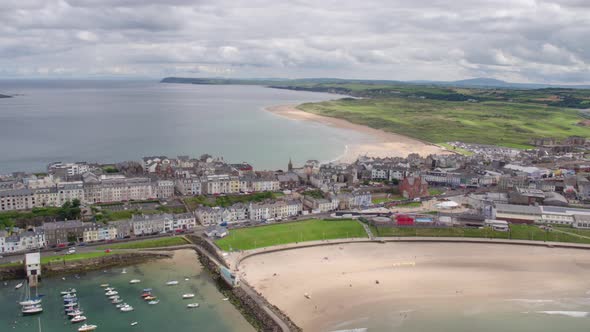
(4,96)
(469,83)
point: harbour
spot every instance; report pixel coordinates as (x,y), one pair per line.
(171,312)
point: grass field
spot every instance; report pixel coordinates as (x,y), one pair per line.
(410,205)
(228,200)
(308,230)
(517,232)
(456,149)
(151,243)
(438,121)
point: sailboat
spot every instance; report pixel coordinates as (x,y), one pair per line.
(28,301)
(30,308)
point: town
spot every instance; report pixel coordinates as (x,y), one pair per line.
(475,186)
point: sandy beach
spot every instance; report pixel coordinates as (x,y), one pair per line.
(378,144)
(351,285)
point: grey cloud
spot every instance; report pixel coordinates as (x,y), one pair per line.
(521,40)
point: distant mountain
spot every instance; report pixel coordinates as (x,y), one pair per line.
(4,96)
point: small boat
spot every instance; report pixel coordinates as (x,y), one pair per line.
(154,302)
(124,271)
(86,328)
(225,299)
(69,296)
(68,291)
(70,299)
(126,308)
(19,285)
(70,309)
(104,285)
(188,296)
(110,293)
(146,290)
(192,305)
(172,283)
(146,294)
(108,289)
(135,281)
(112,297)
(116,301)
(63,278)
(149,298)
(78,319)
(31,302)
(70,304)
(31,310)
(120,305)
(75,313)
(134,323)
(186,279)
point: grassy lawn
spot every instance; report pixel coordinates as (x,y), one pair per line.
(151,243)
(502,123)
(228,200)
(387,199)
(517,232)
(73,257)
(456,149)
(410,205)
(308,230)
(435,191)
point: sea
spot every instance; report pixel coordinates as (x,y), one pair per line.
(171,314)
(110,121)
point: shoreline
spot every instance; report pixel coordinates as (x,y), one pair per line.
(379,143)
(414,275)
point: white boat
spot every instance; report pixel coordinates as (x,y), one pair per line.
(19,285)
(121,305)
(112,297)
(70,304)
(135,281)
(69,291)
(154,302)
(107,289)
(124,271)
(75,313)
(86,328)
(30,302)
(104,285)
(225,299)
(192,305)
(188,296)
(126,308)
(172,283)
(69,296)
(134,323)
(116,301)
(110,293)
(32,310)
(78,319)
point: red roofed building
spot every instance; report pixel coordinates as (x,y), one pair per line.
(413,187)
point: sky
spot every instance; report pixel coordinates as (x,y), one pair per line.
(539,41)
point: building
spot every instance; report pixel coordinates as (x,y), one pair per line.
(119,189)
(164,188)
(413,187)
(17,199)
(557,215)
(25,241)
(62,232)
(183,222)
(321,205)
(33,268)
(148,224)
(66,170)
(517,214)
(98,232)
(189,186)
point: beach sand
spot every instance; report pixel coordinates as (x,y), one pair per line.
(381,143)
(341,280)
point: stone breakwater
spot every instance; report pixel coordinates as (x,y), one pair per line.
(83,265)
(255,308)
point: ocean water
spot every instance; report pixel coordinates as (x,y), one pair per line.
(171,314)
(109,121)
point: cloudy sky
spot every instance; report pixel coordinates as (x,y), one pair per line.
(515,40)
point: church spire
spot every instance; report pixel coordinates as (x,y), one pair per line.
(290,167)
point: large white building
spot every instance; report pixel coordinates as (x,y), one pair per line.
(25,241)
(16,199)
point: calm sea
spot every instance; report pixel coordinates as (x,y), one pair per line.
(109,121)
(171,314)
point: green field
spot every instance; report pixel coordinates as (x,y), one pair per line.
(151,243)
(308,230)
(438,121)
(63,257)
(228,200)
(517,232)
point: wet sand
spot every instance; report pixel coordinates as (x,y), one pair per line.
(350,285)
(381,143)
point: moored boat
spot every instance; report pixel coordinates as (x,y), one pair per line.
(188,296)
(19,285)
(135,281)
(154,302)
(78,319)
(87,327)
(149,298)
(110,293)
(172,283)
(31,310)
(116,301)
(104,285)
(134,323)
(192,305)
(147,290)
(126,308)
(68,291)
(74,313)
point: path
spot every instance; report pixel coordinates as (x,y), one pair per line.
(368,230)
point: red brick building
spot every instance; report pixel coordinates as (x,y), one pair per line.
(413,186)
